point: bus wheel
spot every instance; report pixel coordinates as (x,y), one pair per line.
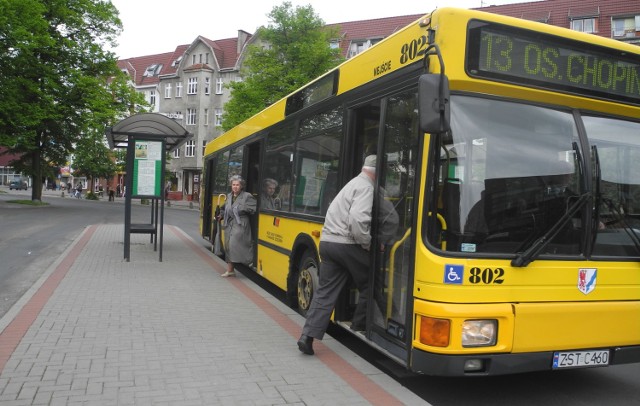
(307,281)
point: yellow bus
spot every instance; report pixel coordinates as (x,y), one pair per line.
(508,204)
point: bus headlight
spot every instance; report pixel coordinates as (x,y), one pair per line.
(479,333)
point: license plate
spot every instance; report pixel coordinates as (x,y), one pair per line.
(580,359)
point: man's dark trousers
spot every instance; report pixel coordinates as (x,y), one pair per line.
(338,262)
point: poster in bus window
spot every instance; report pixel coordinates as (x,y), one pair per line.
(313,175)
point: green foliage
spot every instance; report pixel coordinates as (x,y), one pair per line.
(57,81)
(120,155)
(299,50)
(93,158)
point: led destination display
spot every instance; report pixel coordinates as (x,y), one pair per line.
(519,56)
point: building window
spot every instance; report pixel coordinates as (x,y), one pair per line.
(190,149)
(191,116)
(334,44)
(359,46)
(153,70)
(179,89)
(206,117)
(356,48)
(588,25)
(207,58)
(192,86)
(167,91)
(625,27)
(204,146)
(176,153)
(193,59)
(218,117)
(219,86)
(207,85)
(152,97)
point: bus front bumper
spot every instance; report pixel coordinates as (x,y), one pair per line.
(502,364)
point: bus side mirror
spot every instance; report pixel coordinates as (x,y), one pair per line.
(433,103)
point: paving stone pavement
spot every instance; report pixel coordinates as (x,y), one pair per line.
(98,330)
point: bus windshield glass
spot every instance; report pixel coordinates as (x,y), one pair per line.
(618,200)
(509,172)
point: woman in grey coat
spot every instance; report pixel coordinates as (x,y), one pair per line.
(238,243)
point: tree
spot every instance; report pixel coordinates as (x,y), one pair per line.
(299,50)
(93,158)
(57,81)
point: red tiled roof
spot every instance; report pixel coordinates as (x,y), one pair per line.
(138,65)
(6,159)
(558,12)
(370,29)
(225,51)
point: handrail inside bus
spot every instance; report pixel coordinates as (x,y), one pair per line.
(391,271)
(443,226)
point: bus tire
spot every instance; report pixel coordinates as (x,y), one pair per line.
(307,281)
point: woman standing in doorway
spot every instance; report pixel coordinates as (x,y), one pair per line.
(238,243)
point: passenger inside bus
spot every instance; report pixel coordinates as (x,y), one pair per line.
(269,199)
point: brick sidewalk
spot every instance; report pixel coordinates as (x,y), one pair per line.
(97,330)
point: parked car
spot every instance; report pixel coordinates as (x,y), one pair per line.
(18,184)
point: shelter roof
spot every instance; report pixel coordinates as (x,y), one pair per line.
(150,126)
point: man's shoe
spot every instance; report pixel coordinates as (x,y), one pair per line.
(228,274)
(305,344)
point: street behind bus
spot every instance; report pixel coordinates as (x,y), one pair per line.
(33,238)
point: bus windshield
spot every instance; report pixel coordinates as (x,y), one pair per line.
(511,175)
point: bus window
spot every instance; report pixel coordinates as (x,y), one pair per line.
(277,164)
(318,155)
(618,151)
(235,162)
(222,173)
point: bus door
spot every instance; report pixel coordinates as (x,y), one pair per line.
(391,305)
(252,177)
(206,213)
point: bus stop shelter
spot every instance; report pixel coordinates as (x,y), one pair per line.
(148,138)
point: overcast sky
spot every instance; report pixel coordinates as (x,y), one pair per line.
(157,26)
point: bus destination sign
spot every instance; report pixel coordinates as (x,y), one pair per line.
(518,56)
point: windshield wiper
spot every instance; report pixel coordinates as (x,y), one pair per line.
(595,223)
(525,258)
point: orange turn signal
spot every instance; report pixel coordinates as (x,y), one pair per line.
(315,233)
(435,332)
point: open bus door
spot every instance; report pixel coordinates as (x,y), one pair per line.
(251,173)
(392,225)
(389,129)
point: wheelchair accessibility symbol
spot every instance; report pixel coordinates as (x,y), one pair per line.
(453,274)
